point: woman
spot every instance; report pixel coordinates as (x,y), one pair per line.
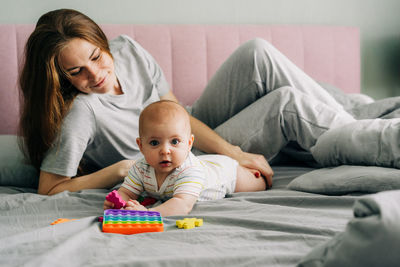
(83,95)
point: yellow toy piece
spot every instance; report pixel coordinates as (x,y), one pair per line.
(189,223)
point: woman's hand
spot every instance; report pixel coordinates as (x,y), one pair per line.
(254,162)
(123,167)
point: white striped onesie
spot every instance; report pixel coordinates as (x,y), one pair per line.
(207,177)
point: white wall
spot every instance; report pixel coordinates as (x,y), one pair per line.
(379,22)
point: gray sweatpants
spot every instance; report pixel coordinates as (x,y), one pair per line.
(260,101)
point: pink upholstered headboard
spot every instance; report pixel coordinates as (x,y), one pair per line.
(190,54)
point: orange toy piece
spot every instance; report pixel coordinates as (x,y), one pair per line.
(189,223)
(61,220)
(129,222)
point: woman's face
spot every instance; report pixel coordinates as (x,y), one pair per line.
(91,70)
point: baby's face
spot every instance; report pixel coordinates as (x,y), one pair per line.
(166,144)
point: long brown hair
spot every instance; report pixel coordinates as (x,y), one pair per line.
(47,94)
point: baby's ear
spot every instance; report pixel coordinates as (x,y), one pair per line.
(191,140)
(139,143)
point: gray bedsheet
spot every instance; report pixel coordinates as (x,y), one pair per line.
(271,228)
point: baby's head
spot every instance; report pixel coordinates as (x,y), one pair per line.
(165,137)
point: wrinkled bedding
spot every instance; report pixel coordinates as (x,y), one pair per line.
(371,238)
(363,142)
(371,140)
(271,228)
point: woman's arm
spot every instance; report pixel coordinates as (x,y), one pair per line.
(50,183)
(210,142)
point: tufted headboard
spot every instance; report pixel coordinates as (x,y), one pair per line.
(190,55)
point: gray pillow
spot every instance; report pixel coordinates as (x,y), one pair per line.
(347,179)
(14,170)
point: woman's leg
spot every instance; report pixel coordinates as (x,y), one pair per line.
(284,115)
(255,69)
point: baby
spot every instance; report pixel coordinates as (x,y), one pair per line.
(171,173)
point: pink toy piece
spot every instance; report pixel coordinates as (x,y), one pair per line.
(115,198)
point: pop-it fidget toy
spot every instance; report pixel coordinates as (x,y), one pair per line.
(129,222)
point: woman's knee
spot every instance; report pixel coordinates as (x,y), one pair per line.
(255,47)
(257,44)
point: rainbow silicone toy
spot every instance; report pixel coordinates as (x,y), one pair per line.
(129,222)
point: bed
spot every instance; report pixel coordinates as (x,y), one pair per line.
(345,214)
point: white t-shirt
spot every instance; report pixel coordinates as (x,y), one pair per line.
(207,177)
(101,129)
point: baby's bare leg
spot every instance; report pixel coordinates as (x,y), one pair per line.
(246,181)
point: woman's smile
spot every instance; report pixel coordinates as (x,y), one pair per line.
(100,83)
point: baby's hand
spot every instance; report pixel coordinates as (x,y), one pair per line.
(108,205)
(135,205)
